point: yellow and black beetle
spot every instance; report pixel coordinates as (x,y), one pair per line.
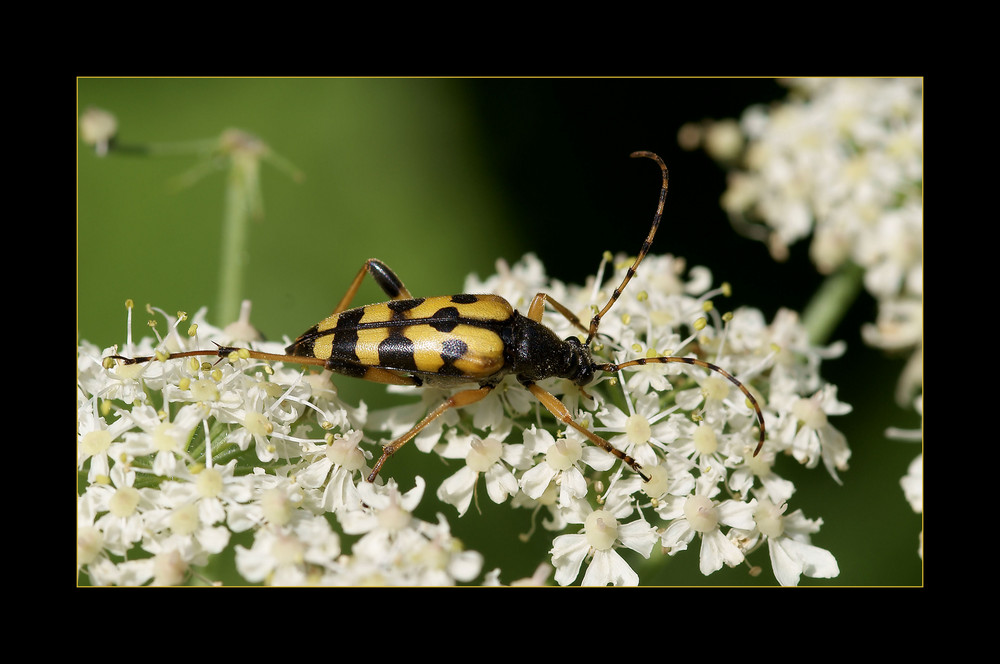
(455,340)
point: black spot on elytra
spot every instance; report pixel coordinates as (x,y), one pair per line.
(345,335)
(445,319)
(399,306)
(452,350)
(396,352)
(464,299)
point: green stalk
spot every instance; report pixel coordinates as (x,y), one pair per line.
(831,302)
(234,245)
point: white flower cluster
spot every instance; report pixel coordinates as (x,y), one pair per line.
(842,161)
(178,456)
(196,453)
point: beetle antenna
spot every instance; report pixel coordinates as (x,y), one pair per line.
(222,352)
(705,365)
(596,320)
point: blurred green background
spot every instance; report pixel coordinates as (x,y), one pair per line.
(439,178)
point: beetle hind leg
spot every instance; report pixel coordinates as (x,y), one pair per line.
(386,279)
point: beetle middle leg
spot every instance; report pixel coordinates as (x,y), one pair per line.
(459,400)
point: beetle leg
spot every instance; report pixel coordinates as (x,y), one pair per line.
(537,307)
(223,352)
(459,400)
(557,408)
(383,276)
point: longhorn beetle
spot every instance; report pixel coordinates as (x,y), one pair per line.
(455,340)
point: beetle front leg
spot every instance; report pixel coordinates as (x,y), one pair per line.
(537,307)
(557,408)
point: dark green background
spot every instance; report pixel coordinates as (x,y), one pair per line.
(439,178)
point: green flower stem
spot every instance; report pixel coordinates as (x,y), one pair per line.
(216,438)
(831,302)
(243,153)
(234,246)
(222,454)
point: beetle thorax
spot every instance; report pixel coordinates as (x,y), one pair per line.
(534,352)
